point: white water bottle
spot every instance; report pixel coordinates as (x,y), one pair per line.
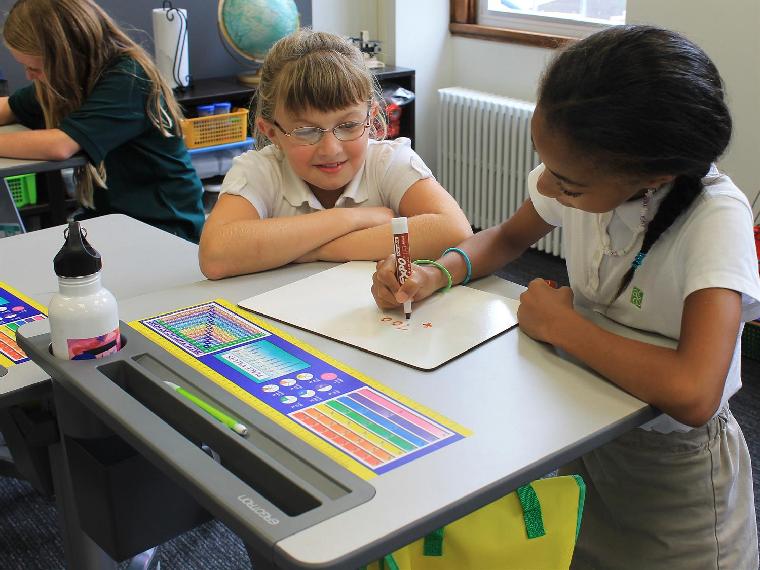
(84,318)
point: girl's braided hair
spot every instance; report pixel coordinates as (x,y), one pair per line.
(647,102)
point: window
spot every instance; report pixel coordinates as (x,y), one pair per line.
(548,23)
(575,18)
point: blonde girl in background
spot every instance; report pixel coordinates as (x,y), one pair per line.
(320,187)
(94,90)
(628,126)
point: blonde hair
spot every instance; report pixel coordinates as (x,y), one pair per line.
(78,42)
(318,71)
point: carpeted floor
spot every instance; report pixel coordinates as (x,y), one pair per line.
(30,540)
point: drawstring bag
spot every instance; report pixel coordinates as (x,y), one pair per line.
(533,528)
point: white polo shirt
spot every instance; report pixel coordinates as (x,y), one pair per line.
(267,181)
(710,245)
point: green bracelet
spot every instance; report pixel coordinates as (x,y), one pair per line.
(441,267)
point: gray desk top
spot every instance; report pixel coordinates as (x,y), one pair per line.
(529,408)
(14,166)
(137,258)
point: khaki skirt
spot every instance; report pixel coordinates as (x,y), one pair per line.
(670,501)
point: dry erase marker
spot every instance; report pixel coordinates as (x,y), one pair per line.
(403,261)
(231,423)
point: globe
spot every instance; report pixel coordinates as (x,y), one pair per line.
(251,27)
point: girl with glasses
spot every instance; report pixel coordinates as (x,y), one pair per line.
(319,186)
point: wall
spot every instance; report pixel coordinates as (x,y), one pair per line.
(415,35)
(208,56)
(345,17)
(727,31)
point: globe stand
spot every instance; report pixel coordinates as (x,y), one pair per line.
(249,78)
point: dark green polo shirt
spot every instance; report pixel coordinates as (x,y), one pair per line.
(149,176)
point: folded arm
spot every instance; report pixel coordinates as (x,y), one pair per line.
(237,241)
(42,144)
(435,222)
(686,382)
(6,115)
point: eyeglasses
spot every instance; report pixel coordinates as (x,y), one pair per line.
(345,132)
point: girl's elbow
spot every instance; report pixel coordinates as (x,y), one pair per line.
(465,231)
(62,146)
(212,270)
(60,152)
(697,410)
(211,264)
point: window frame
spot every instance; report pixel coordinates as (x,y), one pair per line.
(463,21)
(553,25)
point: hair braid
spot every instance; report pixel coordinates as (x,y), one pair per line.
(645,102)
(685,190)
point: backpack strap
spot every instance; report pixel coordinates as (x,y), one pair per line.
(432,544)
(531,507)
(387,562)
(581,501)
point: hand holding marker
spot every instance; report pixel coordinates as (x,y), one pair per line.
(401,251)
(231,423)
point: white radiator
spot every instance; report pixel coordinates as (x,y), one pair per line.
(485,154)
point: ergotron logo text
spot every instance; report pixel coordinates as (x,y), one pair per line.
(259,510)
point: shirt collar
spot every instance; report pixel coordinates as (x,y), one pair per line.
(297,192)
(630,212)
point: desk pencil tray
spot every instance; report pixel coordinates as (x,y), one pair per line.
(265,486)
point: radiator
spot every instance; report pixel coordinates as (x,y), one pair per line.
(484,156)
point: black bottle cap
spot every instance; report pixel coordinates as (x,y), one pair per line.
(77,257)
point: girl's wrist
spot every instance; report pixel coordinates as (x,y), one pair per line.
(564,328)
(435,278)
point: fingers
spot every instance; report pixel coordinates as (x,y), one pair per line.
(384,283)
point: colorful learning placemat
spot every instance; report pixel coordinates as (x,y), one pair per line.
(15,310)
(364,426)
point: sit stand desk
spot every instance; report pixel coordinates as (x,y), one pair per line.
(128,248)
(501,390)
(52,184)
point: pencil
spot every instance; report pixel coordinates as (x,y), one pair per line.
(231,423)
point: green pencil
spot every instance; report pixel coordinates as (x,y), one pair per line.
(231,423)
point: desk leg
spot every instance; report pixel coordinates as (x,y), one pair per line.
(80,550)
(56,191)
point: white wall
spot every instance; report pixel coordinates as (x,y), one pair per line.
(345,17)
(415,34)
(728,32)
(422,42)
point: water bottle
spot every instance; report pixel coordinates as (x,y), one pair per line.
(84,318)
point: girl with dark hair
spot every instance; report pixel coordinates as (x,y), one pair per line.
(95,90)
(628,125)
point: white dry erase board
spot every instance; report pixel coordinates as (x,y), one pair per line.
(337,303)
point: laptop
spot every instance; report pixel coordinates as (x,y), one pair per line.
(10,220)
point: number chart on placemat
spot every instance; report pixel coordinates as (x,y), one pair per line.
(341,411)
(15,310)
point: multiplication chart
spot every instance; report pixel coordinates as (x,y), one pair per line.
(15,310)
(349,416)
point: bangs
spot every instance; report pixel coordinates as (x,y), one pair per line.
(323,82)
